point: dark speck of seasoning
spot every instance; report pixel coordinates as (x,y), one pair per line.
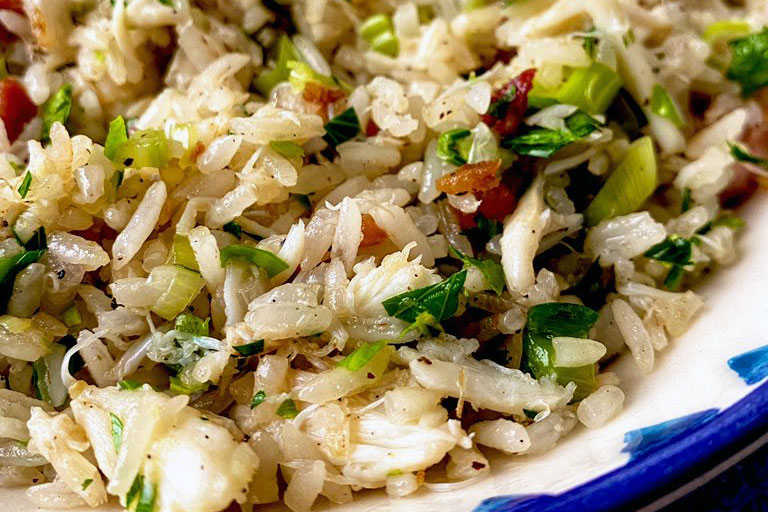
(113,304)
(371,375)
(5,223)
(128,161)
(477,465)
(207,436)
(61,273)
(424,360)
(149,456)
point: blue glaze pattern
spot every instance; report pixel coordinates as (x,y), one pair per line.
(751,366)
(644,440)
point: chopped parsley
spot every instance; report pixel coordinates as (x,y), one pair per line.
(749,62)
(342,128)
(492,270)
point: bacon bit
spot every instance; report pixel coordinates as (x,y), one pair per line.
(371,129)
(496,204)
(322,96)
(508,104)
(372,233)
(16,109)
(474,178)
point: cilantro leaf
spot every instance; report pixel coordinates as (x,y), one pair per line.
(675,249)
(749,62)
(741,154)
(26,183)
(493,271)
(258,399)
(441,300)
(545,142)
(342,128)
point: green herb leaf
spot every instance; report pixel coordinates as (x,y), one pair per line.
(87,482)
(590,44)
(543,142)
(141,495)
(287,148)
(179,387)
(675,249)
(129,385)
(342,128)
(116,137)
(57,108)
(441,300)
(663,105)
(492,270)
(546,321)
(741,154)
(287,409)
(448,146)
(233,228)
(12,265)
(361,355)
(749,62)
(259,257)
(26,183)
(250,349)
(258,399)
(687,201)
(117,431)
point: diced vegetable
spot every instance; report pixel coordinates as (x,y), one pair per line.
(287,409)
(361,355)
(258,399)
(116,137)
(47,377)
(493,271)
(544,142)
(379,32)
(56,109)
(508,104)
(233,228)
(675,252)
(287,148)
(663,105)
(302,73)
(251,348)
(749,62)
(26,183)
(725,29)
(286,52)
(592,89)
(628,187)
(342,128)
(179,286)
(440,300)
(194,325)
(32,251)
(16,109)
(259,257)
(557,319)
(453,146)
(72,316)
(145,148)
(182,253)
(686,202)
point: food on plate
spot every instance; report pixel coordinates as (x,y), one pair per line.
(256,251)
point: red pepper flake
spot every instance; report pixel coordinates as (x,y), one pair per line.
(508,104)
(16,109)
(372,233)
(371,129)
(474,178)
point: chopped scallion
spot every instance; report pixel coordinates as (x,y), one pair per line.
(361,355)
(56,109)
(259,257)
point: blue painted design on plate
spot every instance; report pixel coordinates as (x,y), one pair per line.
(658,471)
(751,366)
(644,440)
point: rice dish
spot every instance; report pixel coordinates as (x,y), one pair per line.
(256,251)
